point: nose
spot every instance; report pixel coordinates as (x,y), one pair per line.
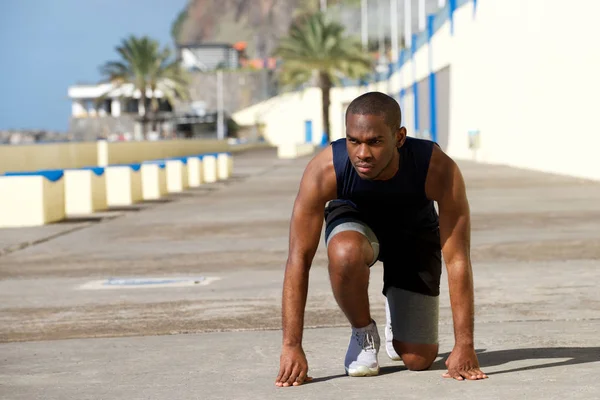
(364,152)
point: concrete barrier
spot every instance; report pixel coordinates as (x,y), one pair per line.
(154,180)
(210,168)
(195,177)
(85,191)
(224,165)
(177,174)
(294,150)
(123,185)
(47,156)
(34,198)
(74,155)
(140,151)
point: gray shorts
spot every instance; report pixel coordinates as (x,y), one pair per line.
(414,316)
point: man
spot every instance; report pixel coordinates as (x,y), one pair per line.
(378,187)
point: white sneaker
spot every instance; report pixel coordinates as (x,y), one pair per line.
(361,357)
(389,334)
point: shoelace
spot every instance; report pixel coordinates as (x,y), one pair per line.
(366,341)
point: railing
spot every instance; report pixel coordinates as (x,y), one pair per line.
(418,40)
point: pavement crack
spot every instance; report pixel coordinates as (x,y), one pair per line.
(24,245)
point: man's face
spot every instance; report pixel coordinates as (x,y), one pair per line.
(372,146)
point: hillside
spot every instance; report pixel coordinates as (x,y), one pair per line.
(258,22)
(261,22)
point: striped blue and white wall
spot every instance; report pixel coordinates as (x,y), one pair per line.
(522,73)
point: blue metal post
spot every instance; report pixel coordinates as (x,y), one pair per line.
(413,50)
(452,8)
(432,91)
(308,131)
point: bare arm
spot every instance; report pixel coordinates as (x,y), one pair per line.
(318,186)
(305,232)
(446,185)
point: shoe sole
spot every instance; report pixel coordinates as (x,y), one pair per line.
(362,371)
(393,356)
(391,353)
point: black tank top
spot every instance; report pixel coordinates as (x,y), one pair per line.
(397,206)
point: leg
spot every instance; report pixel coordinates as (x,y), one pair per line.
(414,320)
(416,356)
(352,248)
(350,255)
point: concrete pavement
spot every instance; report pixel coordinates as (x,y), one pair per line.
(525,360)
(536,252)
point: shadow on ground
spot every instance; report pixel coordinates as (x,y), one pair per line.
(575,355)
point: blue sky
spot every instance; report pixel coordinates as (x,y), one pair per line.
(46,46)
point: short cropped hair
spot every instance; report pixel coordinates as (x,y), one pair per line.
(377,103)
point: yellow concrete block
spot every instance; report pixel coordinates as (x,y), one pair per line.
(195,177)
(123,185)
(154,180)
(31,199)
(177,175)
(85,191)
(224,165)
(54,200)
(210,168)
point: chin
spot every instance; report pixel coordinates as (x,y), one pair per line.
(368,175)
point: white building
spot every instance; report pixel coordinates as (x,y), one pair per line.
(105,100)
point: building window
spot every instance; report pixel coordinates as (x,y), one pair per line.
(131,106)
(164,105)
(108,106)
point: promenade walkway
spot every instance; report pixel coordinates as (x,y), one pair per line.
(536,257)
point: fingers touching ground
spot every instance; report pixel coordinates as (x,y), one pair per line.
(295,376)
(460,375)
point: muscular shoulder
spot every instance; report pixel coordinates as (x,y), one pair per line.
(319,175)
(440,174)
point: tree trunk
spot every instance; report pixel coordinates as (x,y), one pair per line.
(142,111)
(154,112)
(325,84)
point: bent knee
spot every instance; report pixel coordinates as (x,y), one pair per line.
(416,357)
(348,249)
(416,362)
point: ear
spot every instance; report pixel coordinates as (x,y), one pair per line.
(400,136)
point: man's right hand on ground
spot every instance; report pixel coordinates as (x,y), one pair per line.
(293,367)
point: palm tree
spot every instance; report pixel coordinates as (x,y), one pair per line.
(318,49)
(149,69)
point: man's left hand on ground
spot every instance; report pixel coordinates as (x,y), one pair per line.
(463,364)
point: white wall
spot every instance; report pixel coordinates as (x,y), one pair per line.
(78,108)
(525,72)
(522,72)
(115,107)
(284,116)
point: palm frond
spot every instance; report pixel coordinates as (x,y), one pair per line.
(320,45)
(145,65)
